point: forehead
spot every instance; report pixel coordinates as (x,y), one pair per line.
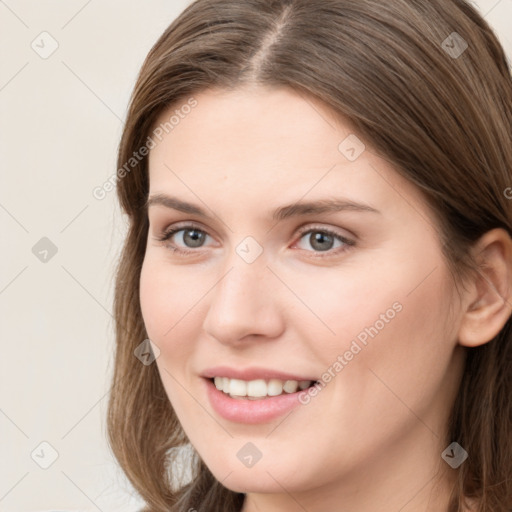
(272,145)
(252,124)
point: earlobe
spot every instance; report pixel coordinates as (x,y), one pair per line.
(489,295)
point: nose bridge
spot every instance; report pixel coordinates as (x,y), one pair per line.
(239,291)
(242,302)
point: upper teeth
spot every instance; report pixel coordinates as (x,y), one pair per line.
(259,388)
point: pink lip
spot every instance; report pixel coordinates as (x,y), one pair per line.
(246,411)
(252,374)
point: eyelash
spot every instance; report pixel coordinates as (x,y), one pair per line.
(167,235)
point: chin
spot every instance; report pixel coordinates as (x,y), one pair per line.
(264,477)
(249,482)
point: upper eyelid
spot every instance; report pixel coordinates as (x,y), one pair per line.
(320,223)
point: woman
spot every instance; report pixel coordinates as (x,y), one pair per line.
(319,251)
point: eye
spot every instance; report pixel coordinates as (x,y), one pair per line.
(192,237)
(322,240)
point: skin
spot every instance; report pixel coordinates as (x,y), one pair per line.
(372,438)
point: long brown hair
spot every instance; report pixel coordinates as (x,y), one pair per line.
(441,113)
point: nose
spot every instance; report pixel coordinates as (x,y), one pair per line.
(244,305)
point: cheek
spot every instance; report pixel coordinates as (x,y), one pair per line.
(398,344)
(392,319)
(165,297)
(153,298)
(164,312)
(171,305)
(333,308)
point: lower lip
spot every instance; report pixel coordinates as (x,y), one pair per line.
(242,410)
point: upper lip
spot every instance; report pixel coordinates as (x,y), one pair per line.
(252,373)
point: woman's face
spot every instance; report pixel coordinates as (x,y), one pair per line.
(270,284)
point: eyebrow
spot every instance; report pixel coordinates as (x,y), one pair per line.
(281,213)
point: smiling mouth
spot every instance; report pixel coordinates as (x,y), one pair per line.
(259,389)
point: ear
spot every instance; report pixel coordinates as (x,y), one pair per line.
(488,303)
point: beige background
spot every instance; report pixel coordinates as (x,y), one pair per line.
(60,123)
